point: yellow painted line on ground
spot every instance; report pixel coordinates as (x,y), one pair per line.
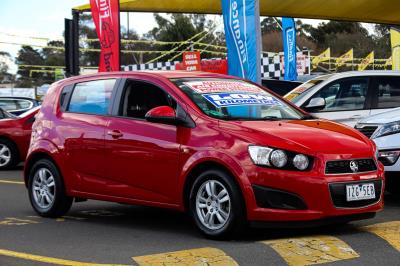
(49,260)
(389,231)
(12,182)
(17,221)
(199,256)
(312,250)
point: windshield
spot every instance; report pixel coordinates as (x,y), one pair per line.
(230,99)
(299,92)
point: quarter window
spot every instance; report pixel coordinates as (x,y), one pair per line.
(344,95)
(388,92)
(92,97)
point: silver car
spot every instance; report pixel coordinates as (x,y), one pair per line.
(349,96)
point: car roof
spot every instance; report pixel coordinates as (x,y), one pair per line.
(367,73)
(171,74)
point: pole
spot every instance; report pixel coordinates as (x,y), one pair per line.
(75,43)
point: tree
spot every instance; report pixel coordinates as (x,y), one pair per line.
(270,24)
(29,56)
(4,75)
(181,27)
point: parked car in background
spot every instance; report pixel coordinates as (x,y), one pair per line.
(225,150)
(15,134)
(349,96)
(5,114)
(384,130)
(17,105)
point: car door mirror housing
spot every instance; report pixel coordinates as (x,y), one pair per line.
(316,104)
(162,114)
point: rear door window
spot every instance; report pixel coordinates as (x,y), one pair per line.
(92,97)
(388,89)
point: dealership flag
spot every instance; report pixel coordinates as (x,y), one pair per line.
(289,48)
(324,56)
(395,41)
(341,60)
(388,63)
(366,61)
(243,38)
(105,15)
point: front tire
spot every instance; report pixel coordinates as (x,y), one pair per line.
(47,191)
(216,205)
(8,154)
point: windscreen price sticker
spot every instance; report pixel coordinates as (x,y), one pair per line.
(212,86)
(237,99)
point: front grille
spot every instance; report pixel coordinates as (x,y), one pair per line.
(343,166)
(367,130)
(338,195)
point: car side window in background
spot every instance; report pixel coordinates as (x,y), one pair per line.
(23,104)
(388,92)
(139,97)
(344,95)
(92,97)
(8,104)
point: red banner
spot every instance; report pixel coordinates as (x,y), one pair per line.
(105,15)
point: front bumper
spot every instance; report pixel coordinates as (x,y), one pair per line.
(322,195)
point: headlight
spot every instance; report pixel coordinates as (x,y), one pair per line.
(389,158)
(388,129)
(260,155)
(279,158)
(301,162)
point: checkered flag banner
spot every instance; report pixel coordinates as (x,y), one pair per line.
(271,65)
(151,66)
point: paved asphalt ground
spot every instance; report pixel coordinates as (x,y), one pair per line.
(98,233)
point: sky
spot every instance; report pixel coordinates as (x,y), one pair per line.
(45,18)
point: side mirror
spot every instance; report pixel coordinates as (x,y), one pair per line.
(315,104)
(162,114)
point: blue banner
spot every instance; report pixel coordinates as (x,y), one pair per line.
(289,48)
(243,38)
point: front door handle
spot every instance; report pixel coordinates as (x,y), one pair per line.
(115,134)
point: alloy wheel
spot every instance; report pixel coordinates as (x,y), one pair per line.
(213,204)
(44,188)
(5,155)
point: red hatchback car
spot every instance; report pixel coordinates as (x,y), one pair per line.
(15,134)
(225,150)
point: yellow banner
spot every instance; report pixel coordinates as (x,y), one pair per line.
(395,41)
(366,61)
(324,56)
(344,58)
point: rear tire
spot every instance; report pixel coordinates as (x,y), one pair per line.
(47,191)
(216,205)
(9,156)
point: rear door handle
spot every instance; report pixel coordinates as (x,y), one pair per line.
(115,134)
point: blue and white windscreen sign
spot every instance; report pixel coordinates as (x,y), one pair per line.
(243,35)
(289,48)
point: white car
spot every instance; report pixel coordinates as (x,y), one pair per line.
(349,96)
(384,130)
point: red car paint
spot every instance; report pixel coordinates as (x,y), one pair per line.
(150,164)
(18,130)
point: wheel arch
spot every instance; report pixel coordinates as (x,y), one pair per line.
(33,158)
(207,164)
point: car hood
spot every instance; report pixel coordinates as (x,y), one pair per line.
(382,118)
(312,136)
